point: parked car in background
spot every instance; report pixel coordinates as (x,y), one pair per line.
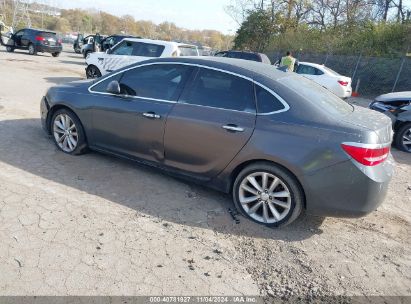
(331,80)
(78,43)
(92,44)
(259,57)
(110,41)
(34,40)
(397,106)
(132,50)
(238,126)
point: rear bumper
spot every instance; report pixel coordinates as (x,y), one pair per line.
(344,92)
(345,190)
(49,49)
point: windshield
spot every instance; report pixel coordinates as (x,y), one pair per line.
(317,95)
(188,51)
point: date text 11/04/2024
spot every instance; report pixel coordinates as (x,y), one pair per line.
(204,299)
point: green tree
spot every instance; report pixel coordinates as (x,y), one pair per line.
(255,32)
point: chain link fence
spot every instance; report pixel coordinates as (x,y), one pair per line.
(373,75)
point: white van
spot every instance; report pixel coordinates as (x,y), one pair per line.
(132,50)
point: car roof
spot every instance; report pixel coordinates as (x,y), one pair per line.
(242,52)
(315,65)
(250,69)
(159,42)
(38,30)
(406,95)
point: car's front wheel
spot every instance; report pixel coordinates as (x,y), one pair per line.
(92,72)
(55,54)
(9,49)
(403,138)
(68,133)
(268,195)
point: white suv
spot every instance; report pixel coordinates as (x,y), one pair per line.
(132,50)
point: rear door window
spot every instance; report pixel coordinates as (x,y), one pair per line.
(148,49)
(317,95)
(221,90)
(267,102)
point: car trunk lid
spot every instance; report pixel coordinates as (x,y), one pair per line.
(379,124)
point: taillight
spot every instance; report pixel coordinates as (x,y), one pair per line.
(367,154)
(39,38)
(60,41)
(343,83)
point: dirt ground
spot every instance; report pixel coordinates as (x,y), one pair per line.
(97,225)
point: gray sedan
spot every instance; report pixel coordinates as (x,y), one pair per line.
(276,141)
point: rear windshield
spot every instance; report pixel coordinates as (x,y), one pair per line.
(331,71)
(245,56)
(188,51)
(317,95)
(47,34)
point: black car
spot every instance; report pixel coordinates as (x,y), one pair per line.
(259,57)
(397,106)
(34,40)
(78,43)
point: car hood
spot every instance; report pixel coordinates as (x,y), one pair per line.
(392,97)
(74,86)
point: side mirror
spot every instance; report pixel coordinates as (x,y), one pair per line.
(114,88)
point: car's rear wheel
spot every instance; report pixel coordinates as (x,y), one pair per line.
(92,72)
(32,49)
(403,138)
(55,54)
(68,133)
(9,49)
(268,195)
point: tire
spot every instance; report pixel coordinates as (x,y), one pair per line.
(288,205)
(401,137)
(55,54)
(60,126)
(9,49)
(92,72)
(32,49)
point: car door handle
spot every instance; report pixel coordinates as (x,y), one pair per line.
(233,128)
(151,115)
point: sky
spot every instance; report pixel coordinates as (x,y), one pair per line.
(189,14)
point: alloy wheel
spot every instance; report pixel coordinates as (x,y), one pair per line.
(32,51)
(265,197)
(65,133)
(406,139)
(93,72)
